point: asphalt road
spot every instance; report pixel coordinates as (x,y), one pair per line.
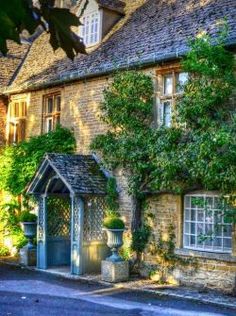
(28,293)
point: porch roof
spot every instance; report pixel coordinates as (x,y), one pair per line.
(75,174)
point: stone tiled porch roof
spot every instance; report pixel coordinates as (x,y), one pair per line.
(157,31)
(81,174)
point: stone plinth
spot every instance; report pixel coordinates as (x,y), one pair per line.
(28,256)
(115,271)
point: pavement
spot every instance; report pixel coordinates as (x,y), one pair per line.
(30,293)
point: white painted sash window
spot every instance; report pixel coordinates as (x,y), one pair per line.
(170,86)
(205,228)
(90,30)
(51,112)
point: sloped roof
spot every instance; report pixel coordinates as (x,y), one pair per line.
(157,31)
(115,5)
(10,64)
(81,174)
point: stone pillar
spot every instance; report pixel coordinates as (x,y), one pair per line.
(114,272)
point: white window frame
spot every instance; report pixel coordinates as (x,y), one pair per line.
(53,116)
(192,223)
(89,37)
(164,97)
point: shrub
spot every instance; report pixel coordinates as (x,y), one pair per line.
(4,251)
(113,222)
(26,216)
(140,238)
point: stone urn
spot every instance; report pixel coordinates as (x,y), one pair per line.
(114,242)
(29,229)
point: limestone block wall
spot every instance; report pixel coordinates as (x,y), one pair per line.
(3,117)
(214,271)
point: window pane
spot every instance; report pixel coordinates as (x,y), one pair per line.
(207,228)
(58,103)
(187,214)
(200,215)
(167,113)
(168,84)
(16,110)
(181,80)
(49,124)
(193,228)
(187,228)
(227,243)
(209,216)
(192,240)
(200,229)
(193,215)
(49,105)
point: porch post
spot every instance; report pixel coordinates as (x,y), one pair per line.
(77,220)
(42,233)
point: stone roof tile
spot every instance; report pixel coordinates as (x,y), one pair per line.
(81,172)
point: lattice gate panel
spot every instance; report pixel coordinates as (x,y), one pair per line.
(94,213)
(58,217)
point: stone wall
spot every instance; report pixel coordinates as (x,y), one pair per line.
(3,113)
(214,271)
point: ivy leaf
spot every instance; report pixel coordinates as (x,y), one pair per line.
(59,25)
(19,15)
(15,16)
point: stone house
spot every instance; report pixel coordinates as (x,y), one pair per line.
(152,35)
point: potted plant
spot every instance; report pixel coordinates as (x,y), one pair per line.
(29,224)
(114,227)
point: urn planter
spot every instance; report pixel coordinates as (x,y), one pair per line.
(29,229)
(114,242)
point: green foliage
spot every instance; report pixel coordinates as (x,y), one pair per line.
(127,102)
(19,15)
(127,108)
(113,222)
(10,223)
(4,251)
(203,154)
(18,163)
(9,216)
(26,216)
(112,197)
(140,238)
(166,258)
(210,84)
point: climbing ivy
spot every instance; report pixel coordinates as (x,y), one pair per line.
(127,108)
(19,162)
(199,151)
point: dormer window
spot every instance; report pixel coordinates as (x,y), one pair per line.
(98,18)
(90,30)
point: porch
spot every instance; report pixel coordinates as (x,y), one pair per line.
(70,191)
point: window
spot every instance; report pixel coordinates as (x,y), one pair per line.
(170,85)
(90,29)
(17,122)
(51,112)
(204,225)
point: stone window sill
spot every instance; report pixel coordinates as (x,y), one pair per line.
(226,257)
